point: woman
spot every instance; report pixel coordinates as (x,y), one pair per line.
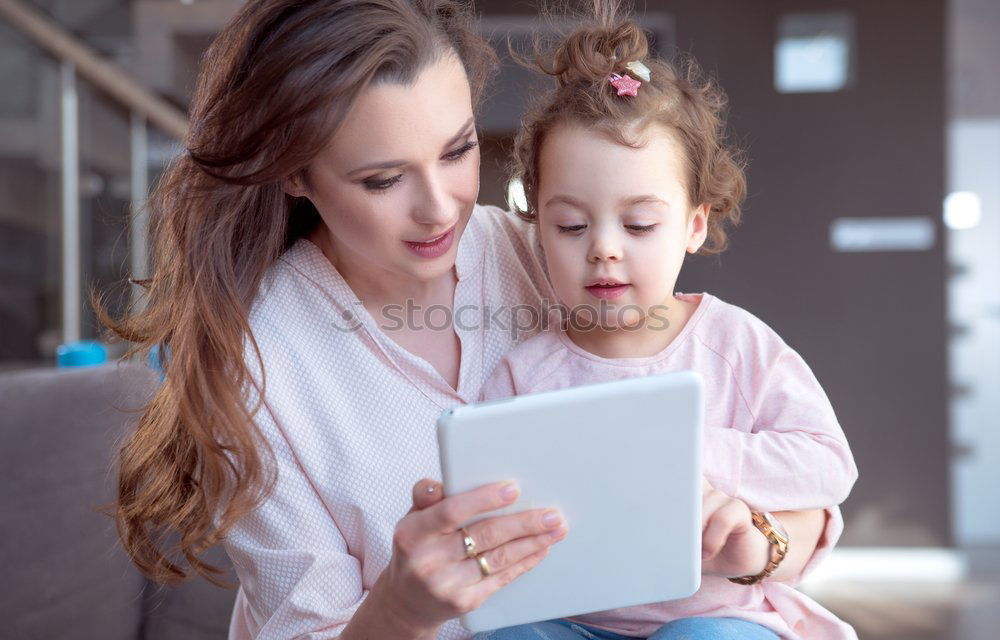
(326,285)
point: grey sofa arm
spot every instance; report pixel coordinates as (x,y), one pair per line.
(66,576)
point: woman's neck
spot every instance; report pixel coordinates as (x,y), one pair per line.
(378,288)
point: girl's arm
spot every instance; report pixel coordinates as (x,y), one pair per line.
(733,547)
(786,449)
(804,529)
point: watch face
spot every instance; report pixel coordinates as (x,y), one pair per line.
(775,524)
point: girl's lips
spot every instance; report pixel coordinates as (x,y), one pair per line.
(607,292)
(434,249)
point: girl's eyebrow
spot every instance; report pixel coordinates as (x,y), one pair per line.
(390,164)
(571,201)
(624,202)
(644,199)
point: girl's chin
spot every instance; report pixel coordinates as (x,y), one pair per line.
(620,317)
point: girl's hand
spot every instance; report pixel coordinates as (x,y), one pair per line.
(429,578)
(731,546)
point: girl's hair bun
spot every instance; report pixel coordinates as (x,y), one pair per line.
(591,53)
(678,98)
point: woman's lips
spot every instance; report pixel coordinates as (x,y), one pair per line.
(607,292)
(435,248)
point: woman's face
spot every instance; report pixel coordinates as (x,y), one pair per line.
(396,184)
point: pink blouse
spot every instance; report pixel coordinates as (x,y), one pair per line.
(350,417)
(771,439)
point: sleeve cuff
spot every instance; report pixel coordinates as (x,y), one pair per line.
(827,541)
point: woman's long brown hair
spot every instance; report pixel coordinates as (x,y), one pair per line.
(273,88)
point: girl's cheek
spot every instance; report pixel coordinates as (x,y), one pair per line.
(559,272)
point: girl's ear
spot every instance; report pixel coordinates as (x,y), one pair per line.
(296,185)
(698,228)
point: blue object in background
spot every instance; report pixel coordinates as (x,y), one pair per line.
(157,358)
(83,353)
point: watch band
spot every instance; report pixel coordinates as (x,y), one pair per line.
(779,548)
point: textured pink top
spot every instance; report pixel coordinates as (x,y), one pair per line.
(771,439)
(350,416)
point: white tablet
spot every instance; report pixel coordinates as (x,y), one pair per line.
(621,460)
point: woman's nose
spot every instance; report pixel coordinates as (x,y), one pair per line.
(434,205)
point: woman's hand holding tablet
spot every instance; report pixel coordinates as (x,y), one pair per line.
(430,563)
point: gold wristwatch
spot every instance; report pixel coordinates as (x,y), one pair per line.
(776,535)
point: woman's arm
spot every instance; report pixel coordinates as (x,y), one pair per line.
(377,618)
(298,576)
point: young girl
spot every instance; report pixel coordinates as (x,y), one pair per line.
(625,170)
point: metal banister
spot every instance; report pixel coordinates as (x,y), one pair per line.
(79,60)
(92,66)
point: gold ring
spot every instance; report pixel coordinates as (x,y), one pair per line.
(484,567)
(470,544)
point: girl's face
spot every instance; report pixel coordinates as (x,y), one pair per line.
(615,221)
(396,184)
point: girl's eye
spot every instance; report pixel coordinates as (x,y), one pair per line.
(458,154)
(640,228)
(382,185)
(572,229)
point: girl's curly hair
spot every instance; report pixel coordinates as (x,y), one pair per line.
(679,97)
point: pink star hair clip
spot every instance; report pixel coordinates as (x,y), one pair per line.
(627,85)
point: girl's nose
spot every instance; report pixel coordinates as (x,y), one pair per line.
(605,248)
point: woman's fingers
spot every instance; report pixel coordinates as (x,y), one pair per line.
(469,597)
(486,587)
(494,532)
(512,553)
(452,512)
(430,550)
(426,493)
(468,573)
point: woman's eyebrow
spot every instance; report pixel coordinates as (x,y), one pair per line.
(464,131)
(390,164)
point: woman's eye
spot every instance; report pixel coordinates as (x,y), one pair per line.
(458,154)
(452,156)
(572,229)
(382,185)
(640,228)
